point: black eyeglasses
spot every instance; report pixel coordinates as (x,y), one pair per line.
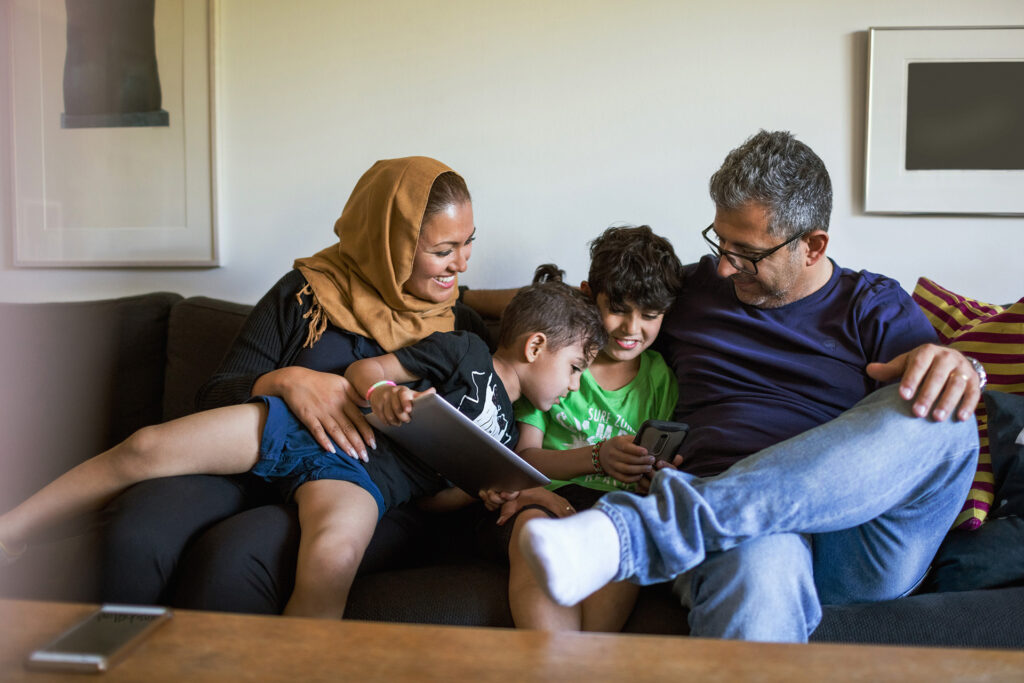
(744,264)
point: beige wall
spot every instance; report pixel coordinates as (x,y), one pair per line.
(565,116)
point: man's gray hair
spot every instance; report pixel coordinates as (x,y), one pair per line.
(782,173)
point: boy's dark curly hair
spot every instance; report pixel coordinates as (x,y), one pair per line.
(634,265)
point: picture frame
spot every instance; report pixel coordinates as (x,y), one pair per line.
(122,189)
(927,159)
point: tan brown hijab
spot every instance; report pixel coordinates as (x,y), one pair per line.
(357,283)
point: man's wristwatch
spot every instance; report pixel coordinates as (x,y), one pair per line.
(980,369)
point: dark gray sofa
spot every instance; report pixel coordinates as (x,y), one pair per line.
(78,377)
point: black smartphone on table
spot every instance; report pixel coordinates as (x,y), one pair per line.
(101,639)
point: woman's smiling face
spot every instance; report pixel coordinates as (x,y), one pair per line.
(445,245)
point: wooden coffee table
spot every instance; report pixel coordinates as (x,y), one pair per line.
(207,646)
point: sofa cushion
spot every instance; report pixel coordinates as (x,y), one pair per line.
(993,335)
(992,555)
(983,618)
(1006,441)
(199,334)
(988,557)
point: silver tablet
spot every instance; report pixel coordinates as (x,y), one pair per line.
(458,450)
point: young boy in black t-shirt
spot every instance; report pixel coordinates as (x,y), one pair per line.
(548,335)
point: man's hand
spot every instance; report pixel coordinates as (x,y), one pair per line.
(938,379)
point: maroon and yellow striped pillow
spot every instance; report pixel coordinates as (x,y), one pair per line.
(994,335)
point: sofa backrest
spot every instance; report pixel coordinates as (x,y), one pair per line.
(199,334)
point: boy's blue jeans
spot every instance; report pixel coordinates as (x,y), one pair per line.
(851,511)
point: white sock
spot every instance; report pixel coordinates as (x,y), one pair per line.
(572,557)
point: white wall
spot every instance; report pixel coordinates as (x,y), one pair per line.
(564,117)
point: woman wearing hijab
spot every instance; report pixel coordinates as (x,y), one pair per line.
(229,543)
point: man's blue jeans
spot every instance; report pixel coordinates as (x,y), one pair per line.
(851,511)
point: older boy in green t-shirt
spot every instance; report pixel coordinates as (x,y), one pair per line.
(587,418)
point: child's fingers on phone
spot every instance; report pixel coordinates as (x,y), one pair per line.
(633,465)
(639,460)
(624,477)
(674,464)
(636,456)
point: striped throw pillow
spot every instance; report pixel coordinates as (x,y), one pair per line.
(994,335)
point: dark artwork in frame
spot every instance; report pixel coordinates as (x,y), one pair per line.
(965,115)
(110,71)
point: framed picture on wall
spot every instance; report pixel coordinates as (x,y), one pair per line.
(113,138)
(945,121)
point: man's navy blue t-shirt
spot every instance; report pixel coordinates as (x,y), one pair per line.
(752,377)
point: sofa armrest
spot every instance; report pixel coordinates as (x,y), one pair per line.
(76,379)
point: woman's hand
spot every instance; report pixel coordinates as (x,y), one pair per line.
(325,403)
(625,460)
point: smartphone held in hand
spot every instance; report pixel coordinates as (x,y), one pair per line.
(97,642)
(661,438)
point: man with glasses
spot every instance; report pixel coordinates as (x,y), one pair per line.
(804,480)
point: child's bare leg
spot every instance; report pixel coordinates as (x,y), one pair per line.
(337,520)
(608,609)
(221,441)
(531,607)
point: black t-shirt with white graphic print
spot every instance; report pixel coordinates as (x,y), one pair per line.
(459,366)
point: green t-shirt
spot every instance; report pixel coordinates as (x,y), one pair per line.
(593,414)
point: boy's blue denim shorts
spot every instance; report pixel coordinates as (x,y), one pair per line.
(289,456)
